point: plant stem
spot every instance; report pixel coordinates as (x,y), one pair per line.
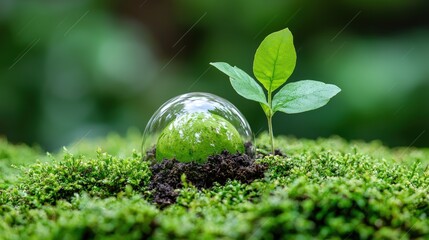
(270,132)
(270,122)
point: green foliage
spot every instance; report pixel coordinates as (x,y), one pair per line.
(83,218)
(242,83)
(102,176)
(303,96)
(14,156)
(324,189)
(274,62)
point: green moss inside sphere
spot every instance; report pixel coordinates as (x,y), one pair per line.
(196,136)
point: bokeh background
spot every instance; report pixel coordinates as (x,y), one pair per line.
(80,69)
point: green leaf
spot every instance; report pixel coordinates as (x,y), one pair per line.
(303,96)
(242,83)
(275,59)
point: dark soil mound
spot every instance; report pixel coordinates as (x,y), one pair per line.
(166,175)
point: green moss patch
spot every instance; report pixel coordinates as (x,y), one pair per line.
(326,188)
(196,136)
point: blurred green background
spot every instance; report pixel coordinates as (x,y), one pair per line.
(80,69)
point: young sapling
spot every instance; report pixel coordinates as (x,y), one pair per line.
(273,64)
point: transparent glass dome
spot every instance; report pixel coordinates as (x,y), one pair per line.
(193,126)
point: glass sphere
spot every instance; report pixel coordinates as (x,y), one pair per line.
(194,126)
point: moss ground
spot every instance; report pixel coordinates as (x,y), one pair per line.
(325,188)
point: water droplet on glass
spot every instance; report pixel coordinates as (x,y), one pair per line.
(194,126)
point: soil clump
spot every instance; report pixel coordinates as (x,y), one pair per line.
(166,175)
